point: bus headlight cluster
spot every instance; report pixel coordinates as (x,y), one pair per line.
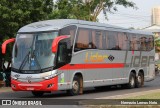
(14,78)
(50,76)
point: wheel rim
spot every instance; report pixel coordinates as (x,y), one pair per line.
(139,79)
(132,82)
(75,86)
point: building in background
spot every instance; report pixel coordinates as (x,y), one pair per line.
(155,27)
(156,16)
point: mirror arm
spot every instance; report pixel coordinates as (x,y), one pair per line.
(5,44)
(56,41)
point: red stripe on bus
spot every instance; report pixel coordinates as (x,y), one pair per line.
(92,66)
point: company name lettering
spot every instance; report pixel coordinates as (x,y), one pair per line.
(90,57)
(136,61)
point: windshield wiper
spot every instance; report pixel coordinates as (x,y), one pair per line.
(24,61)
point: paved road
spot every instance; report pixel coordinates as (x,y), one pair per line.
(90,93)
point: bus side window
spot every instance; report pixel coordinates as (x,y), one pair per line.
(72,34)
(133,43)
(113,41)
(82,41)
(106,40)
(70,30)
(99,39)
(94,45)
(127,40)
(150,43)
(122,41)
(143,45)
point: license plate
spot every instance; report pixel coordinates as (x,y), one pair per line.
(30,88)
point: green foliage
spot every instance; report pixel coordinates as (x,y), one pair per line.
(157,44)
(86,9)
(17,13)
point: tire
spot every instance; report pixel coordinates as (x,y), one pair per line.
(37,93)
(75,86)
(132,81)
(139,80)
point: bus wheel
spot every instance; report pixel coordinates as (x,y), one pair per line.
(139,80)
(38,93)
(132,81)
(75,86)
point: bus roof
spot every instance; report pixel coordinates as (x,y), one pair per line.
(50,25)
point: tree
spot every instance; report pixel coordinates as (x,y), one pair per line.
(17,13)
(157,44)
(87,9)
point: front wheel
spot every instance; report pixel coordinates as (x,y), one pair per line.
(75,87)
(38,93)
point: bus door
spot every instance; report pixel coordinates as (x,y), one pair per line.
(63,58)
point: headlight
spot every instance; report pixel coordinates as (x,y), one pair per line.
(14,78)
(53,74)
(49,77)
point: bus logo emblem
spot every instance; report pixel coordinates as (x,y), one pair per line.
(17,75)
(29,79)
(111,58)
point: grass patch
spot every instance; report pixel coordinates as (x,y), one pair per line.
(152,95)
(118,106)
(155,95)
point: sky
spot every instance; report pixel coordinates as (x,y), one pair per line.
(129,17)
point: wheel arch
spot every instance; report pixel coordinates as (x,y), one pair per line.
(133,70)
(141,71)
(78,73)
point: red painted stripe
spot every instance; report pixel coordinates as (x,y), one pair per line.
(93,66)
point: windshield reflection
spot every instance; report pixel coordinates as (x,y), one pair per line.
(33,51)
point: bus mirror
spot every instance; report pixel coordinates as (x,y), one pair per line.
(56,42)
(4,45)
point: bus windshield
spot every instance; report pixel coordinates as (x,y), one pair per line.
(33,52)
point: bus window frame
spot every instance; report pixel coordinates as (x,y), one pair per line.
(104,36)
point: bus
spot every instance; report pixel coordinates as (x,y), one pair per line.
(70,55)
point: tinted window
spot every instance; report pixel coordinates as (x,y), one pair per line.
(97,39)
(134,42)
(64,53)
(70,30)
(113,41)
(82,41)
(150,43)
(143,43)
(123,42)
(106,40)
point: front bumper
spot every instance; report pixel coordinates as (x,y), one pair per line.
(46,85)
